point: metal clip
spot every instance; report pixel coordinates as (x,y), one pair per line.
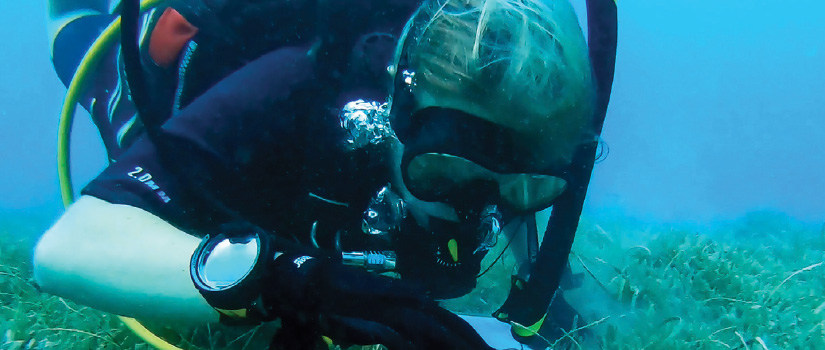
(370,260)
(384,213)
(489,228)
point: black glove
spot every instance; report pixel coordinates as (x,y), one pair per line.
(319,296)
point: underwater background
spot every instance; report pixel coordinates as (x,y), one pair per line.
(703,226)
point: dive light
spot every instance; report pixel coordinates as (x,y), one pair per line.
(228,270)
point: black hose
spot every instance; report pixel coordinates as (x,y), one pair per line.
(130,52)
(564,220)
(170,156)
(547,270)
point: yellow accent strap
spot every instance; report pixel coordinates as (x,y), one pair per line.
(80,80)
(529,331)
(452,245)
(240,313)
(144,333)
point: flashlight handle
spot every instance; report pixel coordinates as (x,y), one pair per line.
(371,261)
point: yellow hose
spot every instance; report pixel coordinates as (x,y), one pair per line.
(79,82)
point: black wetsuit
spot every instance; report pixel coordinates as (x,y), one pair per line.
(290,166)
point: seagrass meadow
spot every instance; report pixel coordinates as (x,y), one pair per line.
(756,283)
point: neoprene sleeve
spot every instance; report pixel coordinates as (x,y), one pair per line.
(225,136)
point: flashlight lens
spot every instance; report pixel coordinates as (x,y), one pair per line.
(225,262)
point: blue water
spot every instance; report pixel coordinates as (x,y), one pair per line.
(30,100)
(717,111)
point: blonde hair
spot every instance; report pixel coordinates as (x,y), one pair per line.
(523,63)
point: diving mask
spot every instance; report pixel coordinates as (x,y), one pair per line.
(463,159)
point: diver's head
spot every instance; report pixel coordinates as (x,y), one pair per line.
(496,91)
(490,100)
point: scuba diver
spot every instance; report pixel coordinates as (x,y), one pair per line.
(340,166)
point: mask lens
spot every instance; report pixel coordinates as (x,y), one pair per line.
(528,192)
(435,176)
